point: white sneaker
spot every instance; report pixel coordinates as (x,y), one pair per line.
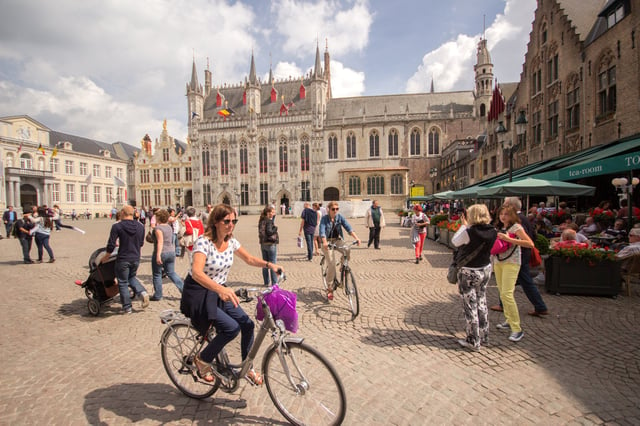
(503,326)
(468,345)
(516,336)
(79,230)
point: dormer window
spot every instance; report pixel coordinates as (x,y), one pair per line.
(303,91)
(615,16)
(274,95)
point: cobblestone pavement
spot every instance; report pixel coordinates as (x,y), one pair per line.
(399,360)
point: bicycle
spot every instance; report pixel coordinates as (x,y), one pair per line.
(301,382)
(347,280)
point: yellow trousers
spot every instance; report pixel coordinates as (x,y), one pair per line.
(506,277)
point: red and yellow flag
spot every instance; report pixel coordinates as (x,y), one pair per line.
(41,149)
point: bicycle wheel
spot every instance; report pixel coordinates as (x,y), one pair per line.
(318,397)
(179,345)
(323,270)
(351,291)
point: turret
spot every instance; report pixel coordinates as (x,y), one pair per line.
(195,98)
(252,89)
(318,91)
(483,79)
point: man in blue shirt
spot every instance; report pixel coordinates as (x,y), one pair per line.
(308,225)
(331,230)
(9,217)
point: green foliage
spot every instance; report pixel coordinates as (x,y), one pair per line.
(591,255)
(437,218)
(542,244)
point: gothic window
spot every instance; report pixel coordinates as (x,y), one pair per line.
(354,185)
(283,156)
(393,143)
(206,194)
(264,193)
(483,110)
(396,184)
(552,69)
(305,190)
(573,108)
(244,160)
(434,141)
(262,158)
(552,114)
(244,194)
(351,145)
(374,144)
(165,154)
(224,162)
(607,91)
(304,155)
(333,147)
(537,128)
(415,142)
(375,185)
(206,165)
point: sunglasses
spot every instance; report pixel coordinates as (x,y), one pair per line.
(335,209)
(228,221)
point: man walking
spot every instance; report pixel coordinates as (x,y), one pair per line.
(9,217)
(524,276)
(130,234)
(374,220)
(308,226)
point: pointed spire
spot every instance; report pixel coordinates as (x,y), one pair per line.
(431,85)
(317,72)
(194,77)
(252,72)
(270,70)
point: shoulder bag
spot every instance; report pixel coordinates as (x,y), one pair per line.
(452,273)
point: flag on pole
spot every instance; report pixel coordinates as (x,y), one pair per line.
(225,112)
(118,182)
(20,147)
(194,115)
(497,104)
(285,108)
(89,179)
(41,149)
(54,152)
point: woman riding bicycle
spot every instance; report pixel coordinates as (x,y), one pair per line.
(331,231)
(206,299)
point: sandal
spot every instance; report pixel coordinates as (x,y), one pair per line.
(254,377)
(330,295)
(205,371)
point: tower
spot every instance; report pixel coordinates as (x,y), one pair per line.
(483,79)
(318,91)
(195,98)
(253,89)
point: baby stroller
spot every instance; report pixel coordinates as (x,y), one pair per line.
(100,287)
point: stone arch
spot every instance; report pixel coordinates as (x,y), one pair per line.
(331,194)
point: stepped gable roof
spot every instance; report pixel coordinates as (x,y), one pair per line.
(233,95)
(582,14)
(438,103)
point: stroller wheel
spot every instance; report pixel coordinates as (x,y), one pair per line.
(94,307)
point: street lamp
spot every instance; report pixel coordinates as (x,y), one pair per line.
(501,132)
(626,190)
(433,172)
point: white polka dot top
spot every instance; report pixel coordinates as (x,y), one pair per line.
(218,263)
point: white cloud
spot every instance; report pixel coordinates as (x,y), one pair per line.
(451,64)
(304,23)
(346,82)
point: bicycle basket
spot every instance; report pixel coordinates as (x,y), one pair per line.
(282,304)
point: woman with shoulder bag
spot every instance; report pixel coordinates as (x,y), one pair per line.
(193,229)
(268,235)
(474,240)
(507,266)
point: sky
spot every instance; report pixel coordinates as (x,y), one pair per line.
(114,70)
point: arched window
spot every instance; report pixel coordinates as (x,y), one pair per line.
(304,155)
(351,145)
(375,185)
(434,142)
(393,143)
(415,142)
(374,144)
(262,157)
(305,190)
(354,185)
(333,147)
(26,162)
(283,155)
(224,162)
(206,165)
(244,159)
(396,184)
(483,110)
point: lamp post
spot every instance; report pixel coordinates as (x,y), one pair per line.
(626,190)
(433,173)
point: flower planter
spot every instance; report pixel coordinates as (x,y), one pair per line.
(431,232)
(444,236)
(577,276)
(449,243)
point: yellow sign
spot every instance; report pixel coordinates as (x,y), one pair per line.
(417,191)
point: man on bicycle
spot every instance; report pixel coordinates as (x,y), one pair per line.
(331,231)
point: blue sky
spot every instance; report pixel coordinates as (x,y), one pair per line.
(114,70)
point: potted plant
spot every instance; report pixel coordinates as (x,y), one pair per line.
(580,270)
(443,232)
(452,227)
(432,229)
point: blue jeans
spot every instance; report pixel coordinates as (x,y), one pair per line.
(176,242)
(26,248)
(229,322)
(7,227)
(270,254)
(168,265)
(126,274)
(528,286)
(309,239)
(42,240)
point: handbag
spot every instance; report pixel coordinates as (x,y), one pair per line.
(300,242)
(452,272)
(500,246)
(150,238)
(282,304)
(536,259)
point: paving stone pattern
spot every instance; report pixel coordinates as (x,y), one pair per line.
(399,360)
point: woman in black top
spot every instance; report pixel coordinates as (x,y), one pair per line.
(474,240)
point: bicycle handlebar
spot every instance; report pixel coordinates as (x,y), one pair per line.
(334,245)
(243,293)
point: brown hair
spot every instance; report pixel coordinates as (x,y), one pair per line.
(162,216)
(511,211)
(219,212)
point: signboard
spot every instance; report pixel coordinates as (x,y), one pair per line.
(619,163)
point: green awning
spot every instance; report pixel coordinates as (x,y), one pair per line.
(531,186)
(604,166)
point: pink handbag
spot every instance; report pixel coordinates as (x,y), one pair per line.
(500,246)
